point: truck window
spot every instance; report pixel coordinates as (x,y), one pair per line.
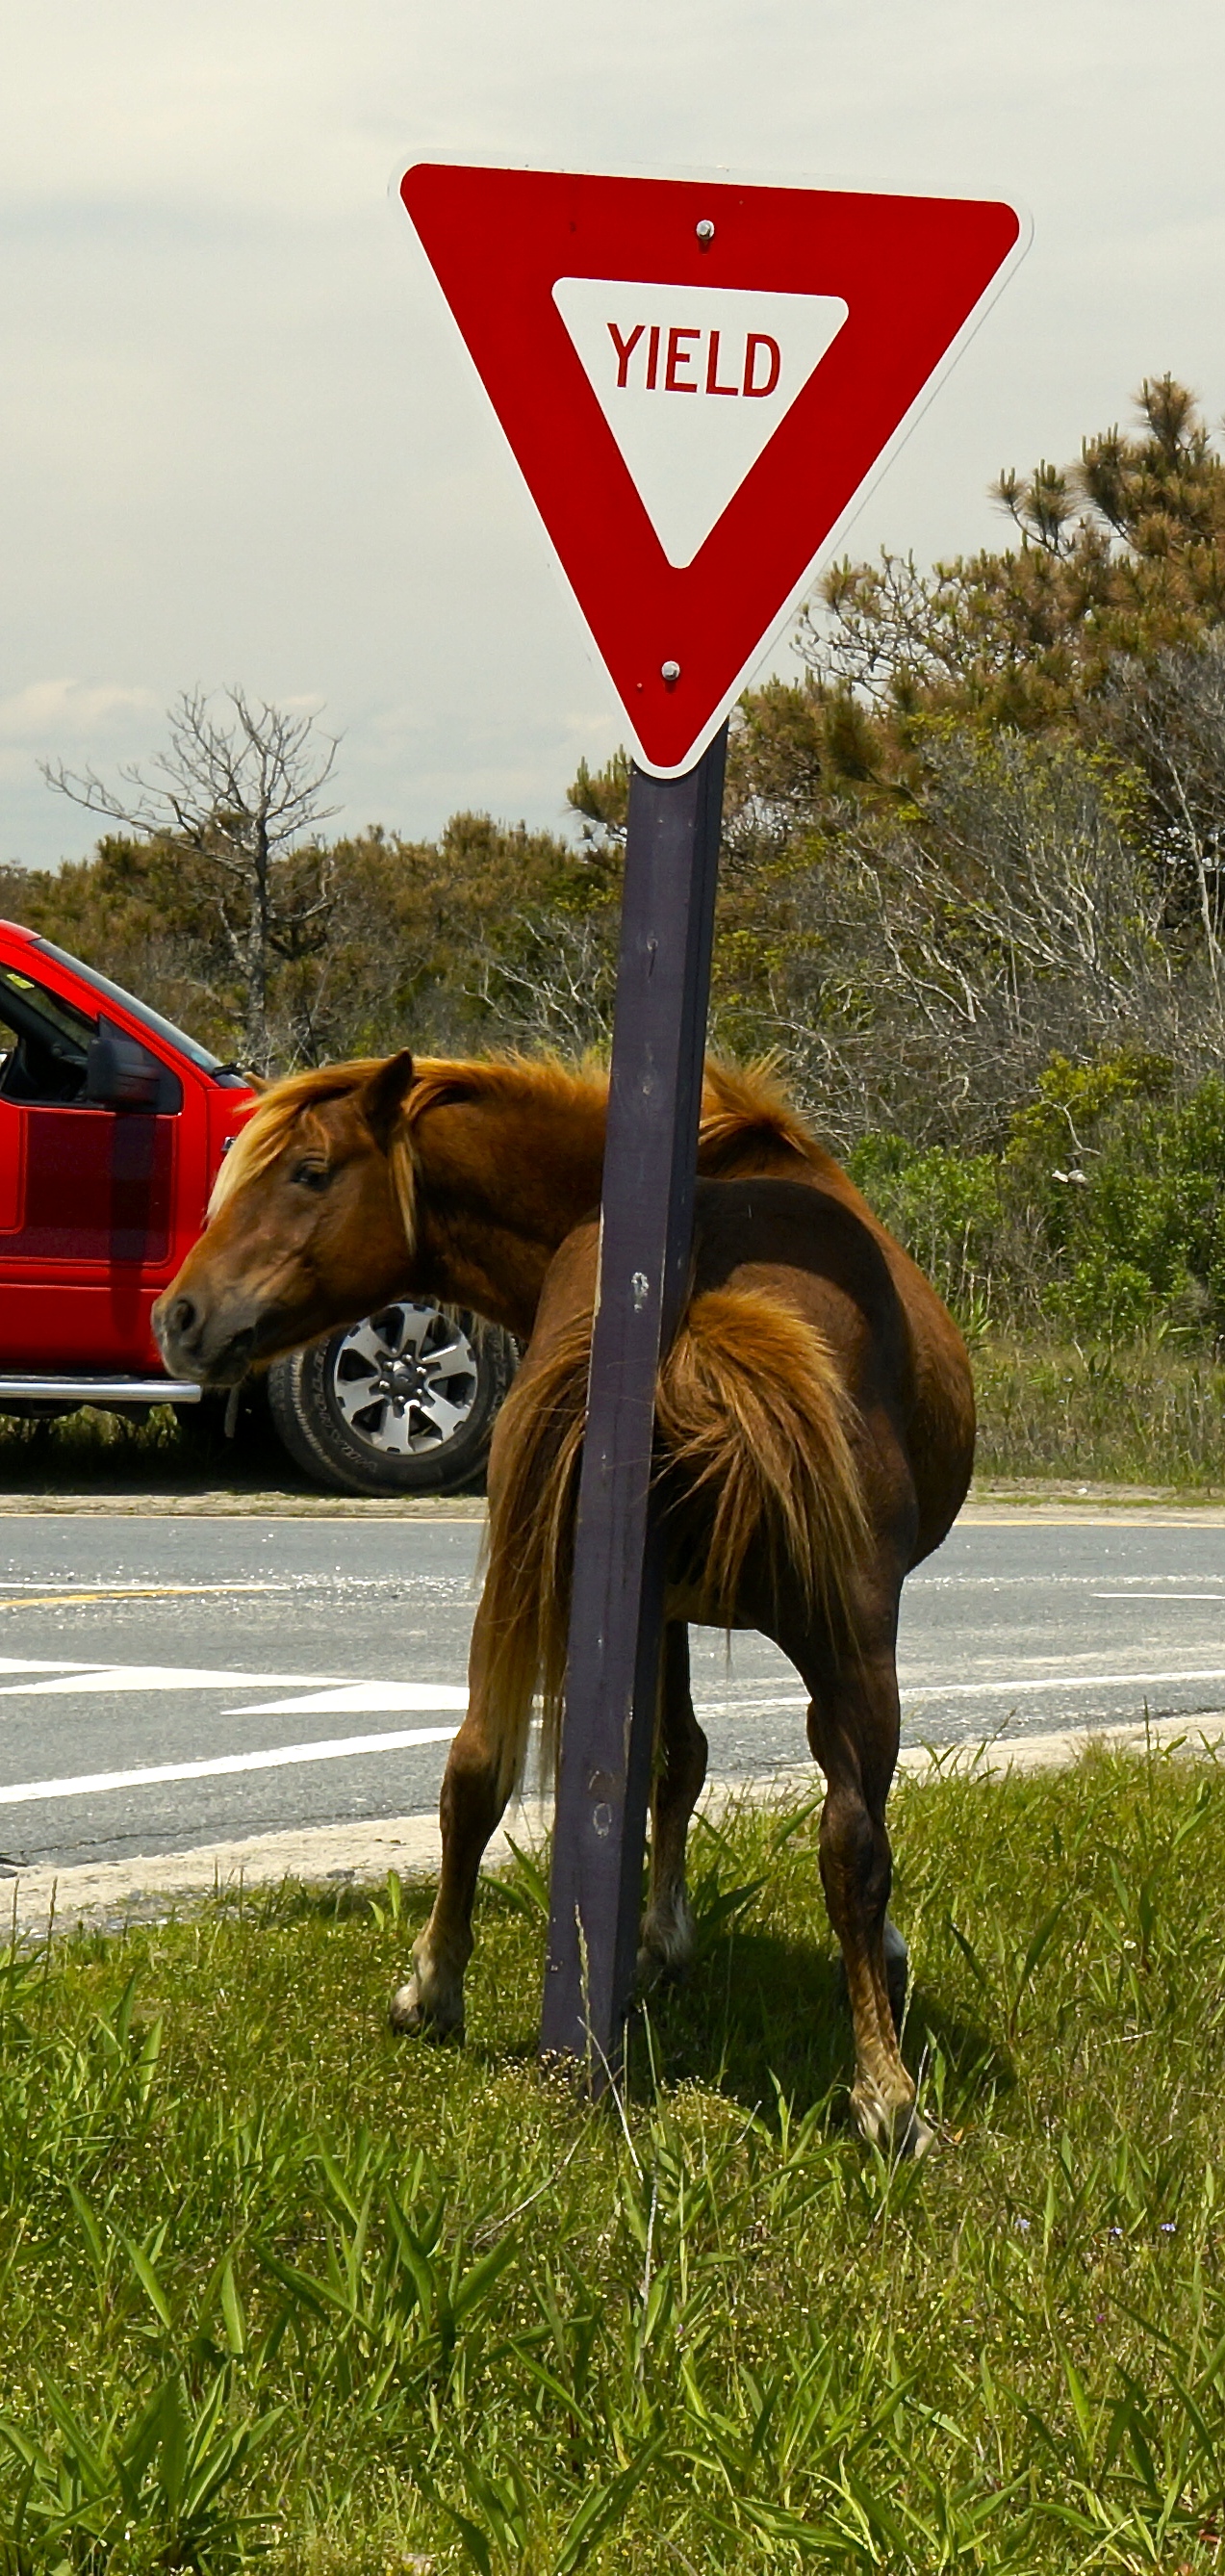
(44,1043)
(227,1075)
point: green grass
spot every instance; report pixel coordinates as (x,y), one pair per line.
(151,1451)
(1143,1413)
(274,2285)
(85,1448)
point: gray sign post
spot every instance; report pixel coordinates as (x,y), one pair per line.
(650,1158)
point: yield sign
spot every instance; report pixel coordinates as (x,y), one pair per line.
(697,379)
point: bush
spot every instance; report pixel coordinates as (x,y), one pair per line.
(946,1208)
(1108,1301)
(1105,1214)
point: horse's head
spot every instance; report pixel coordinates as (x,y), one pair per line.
(311,1224)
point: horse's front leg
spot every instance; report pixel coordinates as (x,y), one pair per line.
(667,1925)
(475,1794)
(853,1727)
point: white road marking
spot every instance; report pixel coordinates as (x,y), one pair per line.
(1172,1597)
(976,1690)
(331,1696)
(924,1581)
(94,1784)
(1056,1681)
(746,1707)
(39,1664)
(150,1677)
(352,1698)
(325,1693)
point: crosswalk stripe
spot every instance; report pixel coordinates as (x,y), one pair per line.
(95,1784)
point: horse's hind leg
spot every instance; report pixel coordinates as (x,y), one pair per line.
(853,1727)
(667,1925)
(475,1794)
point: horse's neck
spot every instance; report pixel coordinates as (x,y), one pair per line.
(500,1184)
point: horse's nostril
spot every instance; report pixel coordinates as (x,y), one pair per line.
(182,1315)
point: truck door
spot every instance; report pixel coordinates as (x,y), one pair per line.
(87,1150)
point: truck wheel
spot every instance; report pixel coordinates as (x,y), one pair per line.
(403,1403)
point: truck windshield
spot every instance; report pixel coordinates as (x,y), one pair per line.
(151,1020)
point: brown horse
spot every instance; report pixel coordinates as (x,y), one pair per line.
(815,1432)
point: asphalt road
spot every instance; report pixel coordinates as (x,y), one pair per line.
(167,1683)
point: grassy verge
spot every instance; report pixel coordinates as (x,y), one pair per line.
(88,1451)
(1140,1413)
(272,2284)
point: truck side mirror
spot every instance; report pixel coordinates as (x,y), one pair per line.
(120,1073)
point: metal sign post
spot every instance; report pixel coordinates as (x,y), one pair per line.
(650,1159)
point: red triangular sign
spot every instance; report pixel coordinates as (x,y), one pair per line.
(697,379)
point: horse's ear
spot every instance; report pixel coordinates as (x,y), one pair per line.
(382,1098)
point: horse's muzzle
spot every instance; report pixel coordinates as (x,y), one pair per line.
(193,1343)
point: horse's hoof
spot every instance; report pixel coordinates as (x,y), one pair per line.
(668,1942)
(653,1971)
(913,2136)
(413,2016)
(898,2131)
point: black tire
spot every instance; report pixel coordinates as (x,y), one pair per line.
(403,1403)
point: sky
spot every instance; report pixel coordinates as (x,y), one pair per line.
(240,441)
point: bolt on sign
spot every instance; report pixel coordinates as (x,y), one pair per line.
(698,378)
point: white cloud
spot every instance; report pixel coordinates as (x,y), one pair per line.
(61,711)
(239,439)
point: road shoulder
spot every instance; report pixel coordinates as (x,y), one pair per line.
(996,1501)
(105,1896)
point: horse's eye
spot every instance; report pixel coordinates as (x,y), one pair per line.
(310,1176)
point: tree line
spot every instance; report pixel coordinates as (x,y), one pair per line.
(972,890)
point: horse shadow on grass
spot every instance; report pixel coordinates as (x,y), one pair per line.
(760,2012)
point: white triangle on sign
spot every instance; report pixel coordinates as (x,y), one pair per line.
(693,382)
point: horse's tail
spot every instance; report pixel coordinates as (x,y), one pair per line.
(753,1422)
(756,1421)
(533,1497)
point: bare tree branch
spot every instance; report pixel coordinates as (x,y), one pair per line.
(237,793)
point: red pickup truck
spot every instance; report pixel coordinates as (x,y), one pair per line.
(112,1126)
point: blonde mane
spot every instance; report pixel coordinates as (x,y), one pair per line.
(269,1124)
(288,1105)
(743,1103)
(738,1104)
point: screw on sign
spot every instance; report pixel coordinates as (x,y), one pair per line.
(698,379)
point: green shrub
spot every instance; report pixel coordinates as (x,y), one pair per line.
(1118,1174)
(1109,1301)
(945,1207)
(1105,1214)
